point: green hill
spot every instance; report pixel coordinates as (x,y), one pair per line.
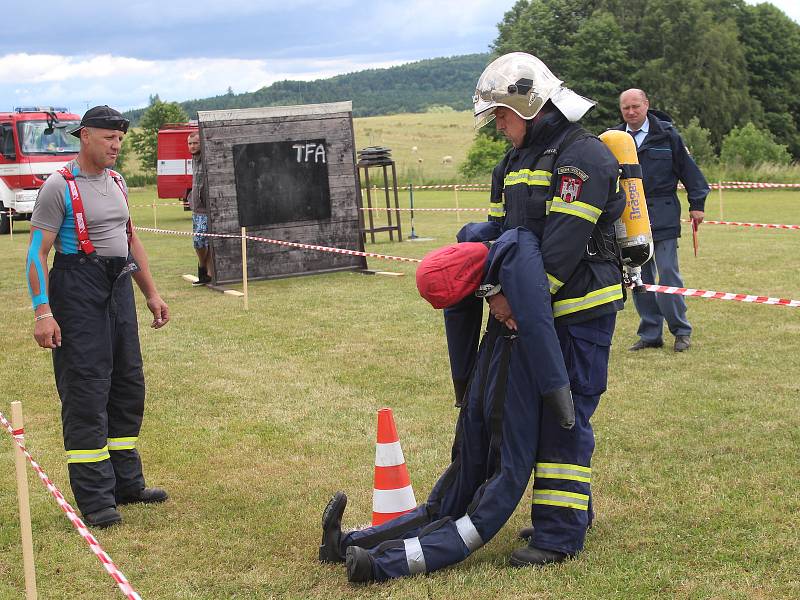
(409,88)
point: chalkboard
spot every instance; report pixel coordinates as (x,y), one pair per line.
(281,182)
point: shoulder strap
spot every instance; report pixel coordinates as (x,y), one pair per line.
(120,184)
(77,212)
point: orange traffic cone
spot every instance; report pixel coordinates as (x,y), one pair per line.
(392,495)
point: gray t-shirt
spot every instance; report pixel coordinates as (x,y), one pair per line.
(104,206)
(197,199)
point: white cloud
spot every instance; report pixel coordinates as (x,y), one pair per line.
(78,81)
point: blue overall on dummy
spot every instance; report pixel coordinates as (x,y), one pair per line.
(497,433)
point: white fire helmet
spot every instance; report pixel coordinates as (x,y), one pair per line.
(523,83)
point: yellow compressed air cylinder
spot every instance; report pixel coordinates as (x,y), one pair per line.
(633,232)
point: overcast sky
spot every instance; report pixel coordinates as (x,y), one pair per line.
(124,52)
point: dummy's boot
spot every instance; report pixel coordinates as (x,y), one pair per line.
(359,565)
(560,402)
(146,495)
(330,547)
(530,555)
(460,386)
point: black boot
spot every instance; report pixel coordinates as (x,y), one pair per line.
(145,496)
(526,533)
(105,517)
(329,548)
(532,556)
(359,565)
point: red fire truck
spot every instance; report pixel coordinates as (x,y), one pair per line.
(34,142)
(174,167)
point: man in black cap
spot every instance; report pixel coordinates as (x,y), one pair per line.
(85,312)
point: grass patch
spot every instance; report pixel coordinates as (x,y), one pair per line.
(254,418)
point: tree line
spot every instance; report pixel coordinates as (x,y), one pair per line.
(409,88)
(724,62)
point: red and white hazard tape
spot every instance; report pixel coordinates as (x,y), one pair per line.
(443,186)
(650,288)
(757,225)
(747,185)
(755,184)
(722,295)
(254,238)
(483,210)
(160,204)
(123,584)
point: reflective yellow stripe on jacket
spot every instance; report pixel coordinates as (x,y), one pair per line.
(576,209)
(590,300)
(527,177)
(497,209)
(88,456)
(555,283)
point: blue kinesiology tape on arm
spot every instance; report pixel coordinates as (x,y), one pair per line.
(36,260)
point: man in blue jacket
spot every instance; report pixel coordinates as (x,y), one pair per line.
(664,160)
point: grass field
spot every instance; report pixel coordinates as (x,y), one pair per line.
(254,418)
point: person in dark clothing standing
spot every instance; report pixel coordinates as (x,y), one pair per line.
(665,161)
(85,313)
(197,202)
(553,284)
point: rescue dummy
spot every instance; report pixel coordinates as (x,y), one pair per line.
(513,373)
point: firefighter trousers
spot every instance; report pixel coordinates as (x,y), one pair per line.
(562,504)
(98,372)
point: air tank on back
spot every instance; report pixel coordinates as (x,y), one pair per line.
(632,229)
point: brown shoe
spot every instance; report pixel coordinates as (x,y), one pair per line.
(682,342)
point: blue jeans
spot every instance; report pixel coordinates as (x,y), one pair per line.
(655,308)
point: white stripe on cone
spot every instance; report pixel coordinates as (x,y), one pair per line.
(389,455)
(393,501)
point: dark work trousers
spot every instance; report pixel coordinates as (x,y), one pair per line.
(562,506)
(655,308)
(98,371)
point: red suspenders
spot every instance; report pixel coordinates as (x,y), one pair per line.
(84,242)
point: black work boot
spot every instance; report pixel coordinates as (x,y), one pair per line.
(105,517)
(526,533)
(532,556)
(145,496)
(329,548)
(359,565)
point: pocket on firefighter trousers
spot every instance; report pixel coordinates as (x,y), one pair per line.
(586,358)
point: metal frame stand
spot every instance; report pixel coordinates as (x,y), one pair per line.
(390,227)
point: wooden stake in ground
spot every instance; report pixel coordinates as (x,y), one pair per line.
(155,216)
(721,218)
(244,266)
(17,424)
(458,214)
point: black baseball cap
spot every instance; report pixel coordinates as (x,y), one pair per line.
(102,117)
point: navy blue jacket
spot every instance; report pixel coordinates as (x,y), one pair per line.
(664,161)
(565,196)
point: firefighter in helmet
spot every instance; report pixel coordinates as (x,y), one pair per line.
(553,285)
(561,183)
